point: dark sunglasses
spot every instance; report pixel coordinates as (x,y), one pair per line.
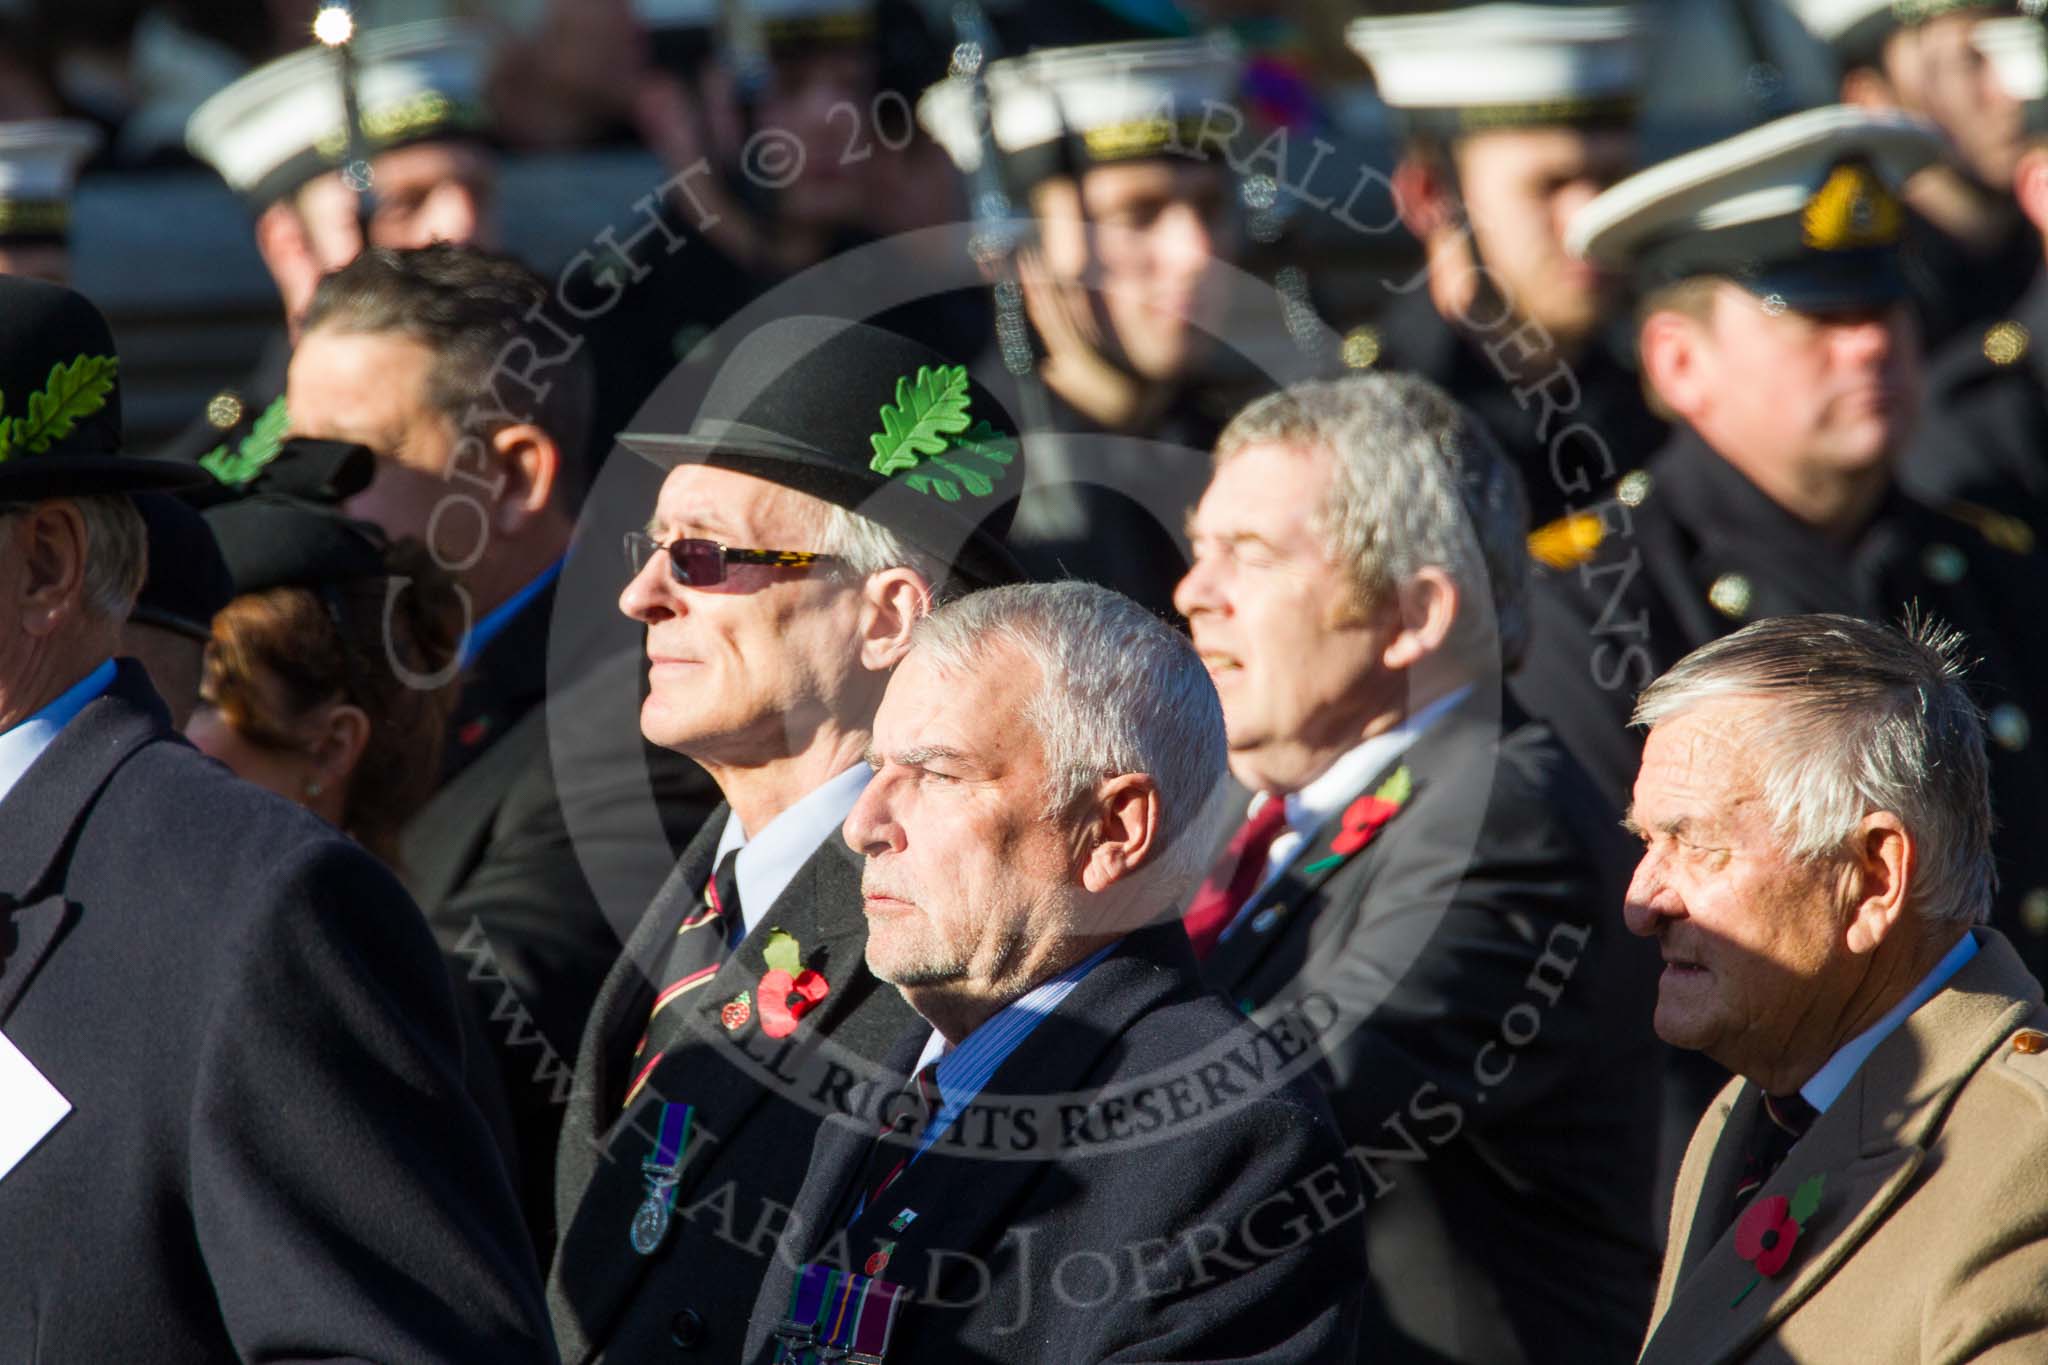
(701,563)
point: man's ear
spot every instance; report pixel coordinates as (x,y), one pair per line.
(1867,87)
(1425,198)
(1883,860)
(1124,834)
(2030,185)
(1673,348)
(288,254)
(530,464)
(51,539)
(1428,605)
(892,603)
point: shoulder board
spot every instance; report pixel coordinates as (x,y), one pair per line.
(1999,529)
(1568,542)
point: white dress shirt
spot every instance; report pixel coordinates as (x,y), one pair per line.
(22,744)
(771,859)
(1327,796)
(1831,1080)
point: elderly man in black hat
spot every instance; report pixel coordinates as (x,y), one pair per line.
(231,1118)
(837,479)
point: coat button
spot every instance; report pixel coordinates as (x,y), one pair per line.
(686,1329)
(2029,1041)
(2034,912)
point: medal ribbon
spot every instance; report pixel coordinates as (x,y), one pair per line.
(850,1315)
(670,1144)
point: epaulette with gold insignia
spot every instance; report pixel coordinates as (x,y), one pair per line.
(2003,531)
(1568,542)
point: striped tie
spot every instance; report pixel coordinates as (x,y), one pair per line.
(887,1160)
(694,957)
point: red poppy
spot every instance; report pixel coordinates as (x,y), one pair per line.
(1362,820)
(1767,1234)
(783,999)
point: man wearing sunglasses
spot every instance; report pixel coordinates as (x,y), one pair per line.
(836,481)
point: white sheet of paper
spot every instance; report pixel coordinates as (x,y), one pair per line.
(29,1106)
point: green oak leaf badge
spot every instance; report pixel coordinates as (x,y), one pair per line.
(929,437)
(72,393)
(257,449)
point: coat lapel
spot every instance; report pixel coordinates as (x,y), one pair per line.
(964,1202)
(1286,911)
(43,811)
(818,1216)
(726,1073)
(1866,1148)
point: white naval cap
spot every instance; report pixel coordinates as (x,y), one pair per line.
(1500,65)
(2017,50)
(1065,106)
(284,123)
(1805,208)
(1856,29)
(39,161)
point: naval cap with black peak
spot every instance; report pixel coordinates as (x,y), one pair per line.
(60,402)
(1060,109)
(1475,67)
(284,123)
(39,161)
(1804,209)
(863,418)
(1856,30)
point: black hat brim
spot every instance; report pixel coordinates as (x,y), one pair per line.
(979,557)
(33,478)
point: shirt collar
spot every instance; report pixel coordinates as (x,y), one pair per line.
(22,744)
(770,860)
(965,1069)
(1308,808)
(494,621)
(1831,1080)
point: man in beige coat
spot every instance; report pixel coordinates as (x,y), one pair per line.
(1816,869)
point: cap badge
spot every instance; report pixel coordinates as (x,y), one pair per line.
(1852,209)
(71,394)
(930,438)
(252,452)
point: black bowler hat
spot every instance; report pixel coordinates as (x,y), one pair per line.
(60,402)
(275,540)
(871,421)
(188,580)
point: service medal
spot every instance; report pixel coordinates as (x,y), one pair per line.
(650,1225)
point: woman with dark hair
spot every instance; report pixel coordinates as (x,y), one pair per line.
(322,682)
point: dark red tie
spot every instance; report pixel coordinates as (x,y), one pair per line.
(1786,1119)
(1235,876)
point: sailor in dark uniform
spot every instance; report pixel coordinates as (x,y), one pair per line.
(1108,148)
(1777,325)
(1985,436)
(277,136)
(1970,253)
(1515,116)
